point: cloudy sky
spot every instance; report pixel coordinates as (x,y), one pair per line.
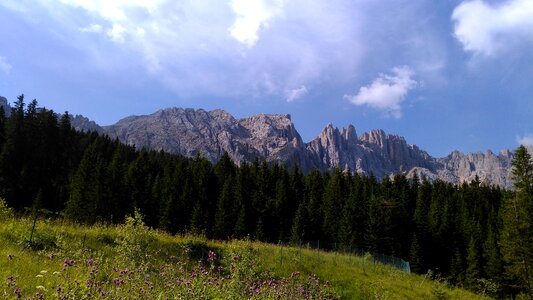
(445,74)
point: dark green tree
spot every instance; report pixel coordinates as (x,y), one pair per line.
(84,204)
(517,232)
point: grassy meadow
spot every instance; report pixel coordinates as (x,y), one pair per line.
(130,261)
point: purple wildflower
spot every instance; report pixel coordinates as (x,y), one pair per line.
(212,256)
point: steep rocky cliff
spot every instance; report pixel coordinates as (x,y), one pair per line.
(190,132)
(5,105)
(274,138)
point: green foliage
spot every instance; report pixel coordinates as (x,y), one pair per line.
(6,212)
(517,232)
(41,241)
(87,266)
(135,239)
(195,247)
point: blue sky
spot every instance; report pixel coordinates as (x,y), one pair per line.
(444,74)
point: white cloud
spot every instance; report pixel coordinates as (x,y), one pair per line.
(252,16)
(387,91)
(96,28)
(487,29)
(297,93)
(526,140)
(5,66)
(188,45)
(117,33)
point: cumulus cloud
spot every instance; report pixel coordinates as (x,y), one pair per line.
(117,33)
(486,29)
(252,15)
(297,93)
(96,28)
(387,91)
(5,66)
(526,140)
(230,49)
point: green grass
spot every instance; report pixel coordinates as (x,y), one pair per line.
(156,259)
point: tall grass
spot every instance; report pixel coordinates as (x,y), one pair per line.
(127,261)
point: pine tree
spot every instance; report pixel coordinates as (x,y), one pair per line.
(332,201)
(298,225)
(416,261)
(223,217)
(517,232)
(473,263)
(85,189)
(457,271)
(491,253)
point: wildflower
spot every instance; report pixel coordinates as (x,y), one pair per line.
(220,268)
(118,281)
(235,257)
(212,256)
(295,274)
(91,262)
(39,276)
(44,272)
(40,287)
(68,263)
(52,255)
(39,295)
(18,292)
(125,271)
(56,273)
(378,296)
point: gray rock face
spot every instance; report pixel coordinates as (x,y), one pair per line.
(82,123)
(274,138)
(191,132)
(490,168)
(5,105)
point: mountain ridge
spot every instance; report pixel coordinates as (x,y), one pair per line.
(274,137)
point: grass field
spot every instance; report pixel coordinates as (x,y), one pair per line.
(69,261)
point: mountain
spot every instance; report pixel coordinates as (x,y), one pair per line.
(5,105)
(274,138)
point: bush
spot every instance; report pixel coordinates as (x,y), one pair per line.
(6,212)
(195,248)
(135,239)
(41,241)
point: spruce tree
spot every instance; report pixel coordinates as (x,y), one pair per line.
(517,232)
(473,263)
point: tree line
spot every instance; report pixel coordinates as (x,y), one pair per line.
(475,235)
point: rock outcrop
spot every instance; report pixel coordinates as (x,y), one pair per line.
(5,105)
(82,123)
(191,132)
(274,138)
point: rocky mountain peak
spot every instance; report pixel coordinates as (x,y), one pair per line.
(349,135)
(273,137)
(5,105)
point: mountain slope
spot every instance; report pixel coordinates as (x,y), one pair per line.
(274,138)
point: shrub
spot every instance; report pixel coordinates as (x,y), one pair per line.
(135,239)
(6,212)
